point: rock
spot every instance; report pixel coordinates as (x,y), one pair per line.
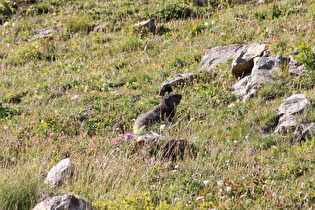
(286,123)
(44,33)
(158,146)
(305,131)
(288,110)
(262,71)
(295,68)
(59,172)
(175,81)
(149,24)
(244,53)
(293,104)
(69,202)
(244,61)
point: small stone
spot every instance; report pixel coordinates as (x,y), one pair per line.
(69,202)
(65,168)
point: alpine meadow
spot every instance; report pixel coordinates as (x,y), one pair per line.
(75,76)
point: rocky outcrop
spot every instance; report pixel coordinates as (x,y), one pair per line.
(64,169)
(288,110)
(158,146)
(149,25)
(261,73)
(244,55)
(176,81)
(69,202)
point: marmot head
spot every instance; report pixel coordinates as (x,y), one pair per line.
(171,100)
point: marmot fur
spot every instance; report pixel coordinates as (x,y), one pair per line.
(163,112)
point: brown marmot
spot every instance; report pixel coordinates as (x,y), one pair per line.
(163,112)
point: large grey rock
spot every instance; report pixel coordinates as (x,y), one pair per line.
(288,110)
(293,104)
(262,71)
(64,169)
(69,202)
(244,61)
(175,81)
(149,24)
(222,54)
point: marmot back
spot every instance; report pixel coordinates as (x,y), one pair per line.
(165,111)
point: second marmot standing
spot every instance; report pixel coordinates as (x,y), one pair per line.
(165,111)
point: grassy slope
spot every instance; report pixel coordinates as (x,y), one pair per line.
(102,72)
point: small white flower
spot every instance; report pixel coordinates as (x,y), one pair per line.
(220,183)
(199,198)
(206,23)
(228,189)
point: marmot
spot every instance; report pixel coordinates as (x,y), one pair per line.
(163,112)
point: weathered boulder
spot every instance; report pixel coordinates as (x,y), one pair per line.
(288,110)
(158,146)
(175,81)
(286,123)
(69,202)
(293,104)
(244,61)
(262,71)
(149,24)
(64,169)
(244,54)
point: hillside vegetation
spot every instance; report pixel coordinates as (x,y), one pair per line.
(69,91)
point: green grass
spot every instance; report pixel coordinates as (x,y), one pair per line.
(97,74)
